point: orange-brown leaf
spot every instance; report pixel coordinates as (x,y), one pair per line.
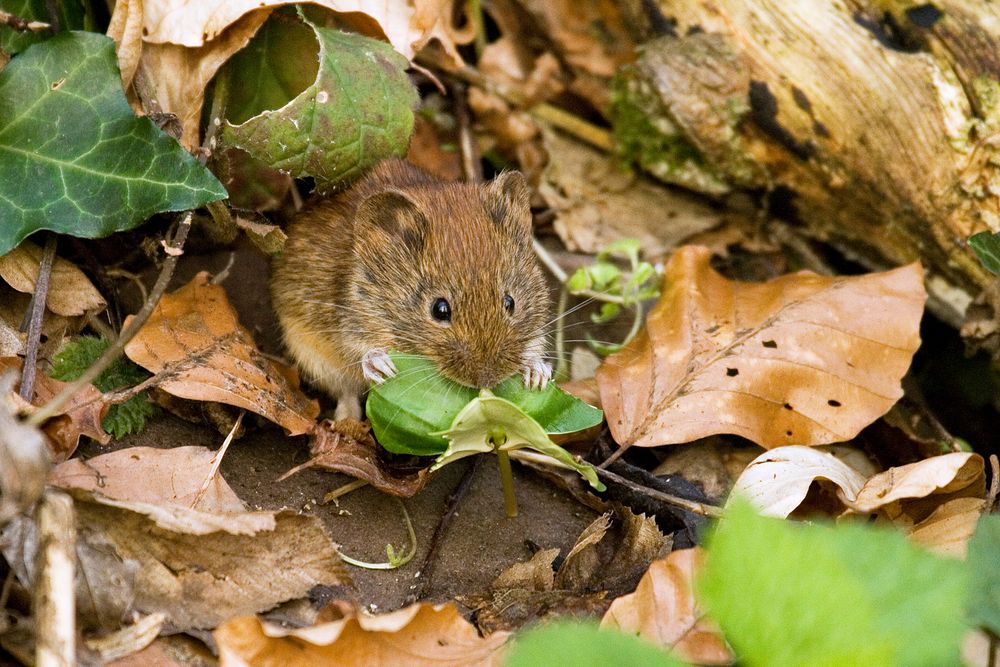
(421,634)
(663,610)
(802,359)
(195,338)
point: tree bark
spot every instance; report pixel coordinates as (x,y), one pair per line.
(877,122)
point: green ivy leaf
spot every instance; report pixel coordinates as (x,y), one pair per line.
(987,248)
(408,412)
(984,599)
(793,594)
(123,418)
(69,13)
(330,121)
(74,159)
(584,645)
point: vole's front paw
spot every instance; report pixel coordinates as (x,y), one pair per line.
(537,373)
(377,366)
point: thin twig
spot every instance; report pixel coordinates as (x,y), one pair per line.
(472,167)
(217,461)
(991,497)
(451,507)
(54,604)
(476,9)
(174,248)
(21,24)
(683,503)
(342,491)
(37,314)
(546,258)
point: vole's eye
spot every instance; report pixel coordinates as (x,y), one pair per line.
(441,310)
(508,303)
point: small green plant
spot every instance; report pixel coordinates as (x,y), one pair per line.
(418,411)
(616,288)
(122,418)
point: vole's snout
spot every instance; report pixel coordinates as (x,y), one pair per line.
(473,370)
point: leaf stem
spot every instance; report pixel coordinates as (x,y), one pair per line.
(174,249)
(38,300)
(507,482)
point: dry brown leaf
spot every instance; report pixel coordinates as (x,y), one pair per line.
(663,610)
(949,527)
(169,476)
(24,457)
(198,568)
(801,359)
(958,473)
(535,574)
(81,416)
(427,151)
(596,203)
(421,634)
(347,446)
(126,29)
(70,291)
(777,481)
(195,337)
(55,328)
(269,239)
(180,73)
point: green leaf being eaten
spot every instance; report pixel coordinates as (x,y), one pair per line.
(584,645)
(984,598)
(794,594)
(123,418)
(74,159)
(987,248)
(421,412)
(324,103)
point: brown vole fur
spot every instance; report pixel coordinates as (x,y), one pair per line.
(363,272)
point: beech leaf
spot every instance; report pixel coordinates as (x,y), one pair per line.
(196,340)
(945,474)
(74,158)
(802,359)
(421,635)
(663,610)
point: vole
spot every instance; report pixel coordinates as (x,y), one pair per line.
(403,261)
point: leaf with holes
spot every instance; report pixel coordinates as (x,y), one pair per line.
(346,112)
(802,359)
(74,158)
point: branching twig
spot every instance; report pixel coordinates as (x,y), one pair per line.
(689,505)
(174,249)
(23,25)
(35,323)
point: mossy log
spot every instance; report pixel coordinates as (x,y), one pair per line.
(879,120)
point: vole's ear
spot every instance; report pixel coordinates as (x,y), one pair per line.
(391,217)
(509,203)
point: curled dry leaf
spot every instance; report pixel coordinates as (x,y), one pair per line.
(663,610)
(70,291)
(959,474)
(81,416)
(596,203)
(418,635)
(801,359)
(346,446)
(777,481)
(949,528)
(196,340)
(126,29)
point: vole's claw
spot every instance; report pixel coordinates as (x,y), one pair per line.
(377,366)
(537,374)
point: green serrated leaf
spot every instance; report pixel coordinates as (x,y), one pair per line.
(406,411)
(330,122)
(124,418)
(69,14)
(584,645)
(74,159)
(487,418)
(793,594)
(984,598)
(987,248)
